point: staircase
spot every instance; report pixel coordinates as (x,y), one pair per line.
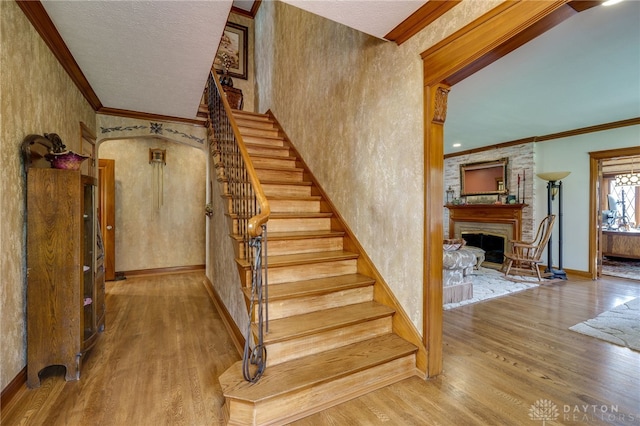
(329,340)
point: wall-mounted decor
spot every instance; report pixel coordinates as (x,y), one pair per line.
(232,53)
(484,178)
(158,159)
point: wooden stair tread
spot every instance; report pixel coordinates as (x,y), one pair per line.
(280,169)
(286,182)
(313,257)
(253,115)
(295,197)
(315,369)
(323,320)
(315,286)
(299,215)
(304,235)
(284,260)
(272,157)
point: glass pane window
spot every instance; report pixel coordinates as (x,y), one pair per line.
(625,213)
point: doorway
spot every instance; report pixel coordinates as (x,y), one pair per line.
(615,213)
(107,214)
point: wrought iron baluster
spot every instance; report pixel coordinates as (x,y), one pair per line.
(244,206)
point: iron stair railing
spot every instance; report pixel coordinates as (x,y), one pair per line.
(250,210)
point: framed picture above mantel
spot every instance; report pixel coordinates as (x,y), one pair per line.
(233,51)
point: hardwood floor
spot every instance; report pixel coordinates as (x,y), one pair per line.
(165,346)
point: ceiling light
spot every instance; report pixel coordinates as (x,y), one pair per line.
(628,179)
(457,145)
(611,2)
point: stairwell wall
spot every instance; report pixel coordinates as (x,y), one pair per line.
(352,105)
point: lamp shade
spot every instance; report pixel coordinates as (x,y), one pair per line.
(553,176)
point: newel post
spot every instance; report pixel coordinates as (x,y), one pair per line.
(435,114)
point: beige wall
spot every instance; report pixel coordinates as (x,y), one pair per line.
(353,106)
(174,234)
(37,97)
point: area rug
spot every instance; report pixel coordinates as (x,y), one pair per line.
(623,268)
(489,283)
(621,325)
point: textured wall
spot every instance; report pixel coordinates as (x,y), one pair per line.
(353,106)
(521,162)
(37,97)
(221,265)
(174,234)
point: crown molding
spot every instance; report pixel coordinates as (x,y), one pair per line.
(422,17)
(150,117)
(575,132)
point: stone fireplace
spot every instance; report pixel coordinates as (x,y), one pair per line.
(494,225)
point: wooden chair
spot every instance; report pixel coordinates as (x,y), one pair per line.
(525,255)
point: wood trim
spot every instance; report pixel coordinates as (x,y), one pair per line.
(528,34)
(551,136)
(148,116)
(161,271)
(594,233)
(229,324)
(37,15)
(13,388)
(435,108)
(578,273)
(582,5)
(474,42)
(420,19)
(479,40)
(250,14)
(402,324)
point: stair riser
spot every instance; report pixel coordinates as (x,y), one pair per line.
(286,190)
(257,140)
(308,345)
(302,403)
(257,132)
(303,305)
(254,124)
(299,224)
(268,150)
(294,206)
(281,247)
(268,174)
(287,274)
(284,163)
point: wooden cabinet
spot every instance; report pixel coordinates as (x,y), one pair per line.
(65,274)
(621,244)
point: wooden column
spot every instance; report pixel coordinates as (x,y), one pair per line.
(493,35)
(435,114)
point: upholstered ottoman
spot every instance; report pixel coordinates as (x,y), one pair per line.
(478,252)
(457,267)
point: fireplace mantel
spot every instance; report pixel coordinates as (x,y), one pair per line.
(509,214)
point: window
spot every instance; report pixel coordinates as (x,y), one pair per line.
(628,198)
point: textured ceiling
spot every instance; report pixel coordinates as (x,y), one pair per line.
(584,72)
(145,56)
(373,17)
(155,56)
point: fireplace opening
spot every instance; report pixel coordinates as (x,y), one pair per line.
(493,245)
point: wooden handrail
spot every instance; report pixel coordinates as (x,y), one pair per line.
(255,222)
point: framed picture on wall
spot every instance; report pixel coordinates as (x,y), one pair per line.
(232,53)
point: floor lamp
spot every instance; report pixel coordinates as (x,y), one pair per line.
(554,187)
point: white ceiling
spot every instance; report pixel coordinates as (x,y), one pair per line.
(155,56)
